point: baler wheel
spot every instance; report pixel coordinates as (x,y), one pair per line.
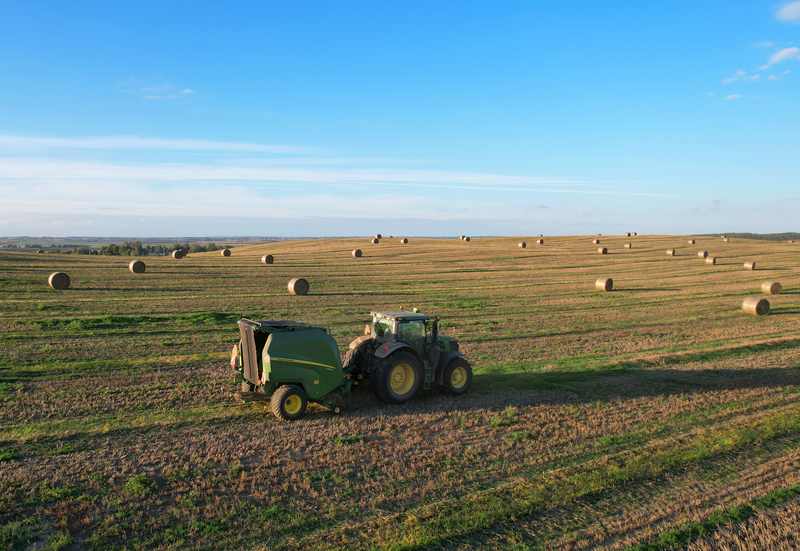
(289,402)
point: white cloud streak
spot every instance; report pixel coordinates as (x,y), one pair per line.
(785,54)
(789,13)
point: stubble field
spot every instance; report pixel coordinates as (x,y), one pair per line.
(656,416)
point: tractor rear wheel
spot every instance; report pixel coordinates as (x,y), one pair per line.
(457,376)
(288,402)
(398,378)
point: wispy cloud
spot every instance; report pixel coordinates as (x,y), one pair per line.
(786,54)
(165,92)
(741,76)
(136,142)
(789,12)
(764,44)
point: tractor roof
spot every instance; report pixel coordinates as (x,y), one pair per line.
(402,315)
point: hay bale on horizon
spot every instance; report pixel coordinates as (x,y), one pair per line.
(404,241)
(750,265)
(467,239)
(298,286)
(771,288)
(628,234)
(604,284)
(59,281)
(595,241)
(755,306)
(225,252)
(522,245)
(628,245)
(540,241)
(711,260)
(602,250)
(671,252)
(702,254)
(375,241)
(136,267)
(378,236)
(692,241)
(267,259)
(357,253)
(462,237)
(177,254)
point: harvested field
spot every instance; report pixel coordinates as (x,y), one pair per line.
(596,420)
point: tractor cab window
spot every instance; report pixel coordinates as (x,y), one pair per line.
(382,328)
(411,331)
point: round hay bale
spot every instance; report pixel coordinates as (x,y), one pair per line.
(378,236)
(750,266)
(467,239)
(177,254)
(298,286)
(702,254)
(375,241)
(628,246)
(628,234)
(225,252)
(602,250)
(670,252)
(540,241)
(635,234)
(771,288)
(40,251)
(522,245)
(462,237)
(692,241)
(267,259)
(711,260)
(604,284)
(755,306)
(725,239)
(357,253)
(595,241)
(59,281)
(404,241)
(136,267)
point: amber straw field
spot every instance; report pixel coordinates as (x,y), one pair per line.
(656,416)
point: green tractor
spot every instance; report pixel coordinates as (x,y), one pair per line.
(293,363)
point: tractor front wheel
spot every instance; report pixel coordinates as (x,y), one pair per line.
(288,402)
(398,378)
(457,376)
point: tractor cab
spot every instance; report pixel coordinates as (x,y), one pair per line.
(418,331)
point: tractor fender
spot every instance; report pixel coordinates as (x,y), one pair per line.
(444,361)
(388,348)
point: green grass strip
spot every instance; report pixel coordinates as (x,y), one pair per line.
(683,535)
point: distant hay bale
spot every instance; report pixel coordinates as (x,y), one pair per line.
(225,252)
(267,259)
(541,235)
(467,238)
(136,267)
(635,234)
(378,236)
(59,281)
(725,239)
(692,241)
(596,241)
(404,241)
(540,241)
(357,253)
(711,260)
(177,254)
(670,252)
(604,284)
(755,306)
(522,245)
(375,241)
(462,237)
(40,251)
(750,266)
(628,246)
(628,234)
(602,250)
(298,286)
(702,254)
(771,288)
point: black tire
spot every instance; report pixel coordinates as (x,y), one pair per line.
(284,402)
(405,385)
(457,377)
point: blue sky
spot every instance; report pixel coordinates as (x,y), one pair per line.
(419,118)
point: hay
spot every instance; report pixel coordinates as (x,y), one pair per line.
(298,286)
(771,288)
(628,246)
(750,266)
(702,254)
(635,234)
(755,306)
(692,241)
(462,237)
(671,252)
(136,267)
(540,241)
(375,241)
(59,281)
(378,236)
(467,238)
(267,259)
(357,253)
(711,260)
(602,250)
(225,252)
(628,234)
(404,241)
(595,241)
(522,245)
(177,254)
(604,284)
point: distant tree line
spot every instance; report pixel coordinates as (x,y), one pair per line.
(137,248)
